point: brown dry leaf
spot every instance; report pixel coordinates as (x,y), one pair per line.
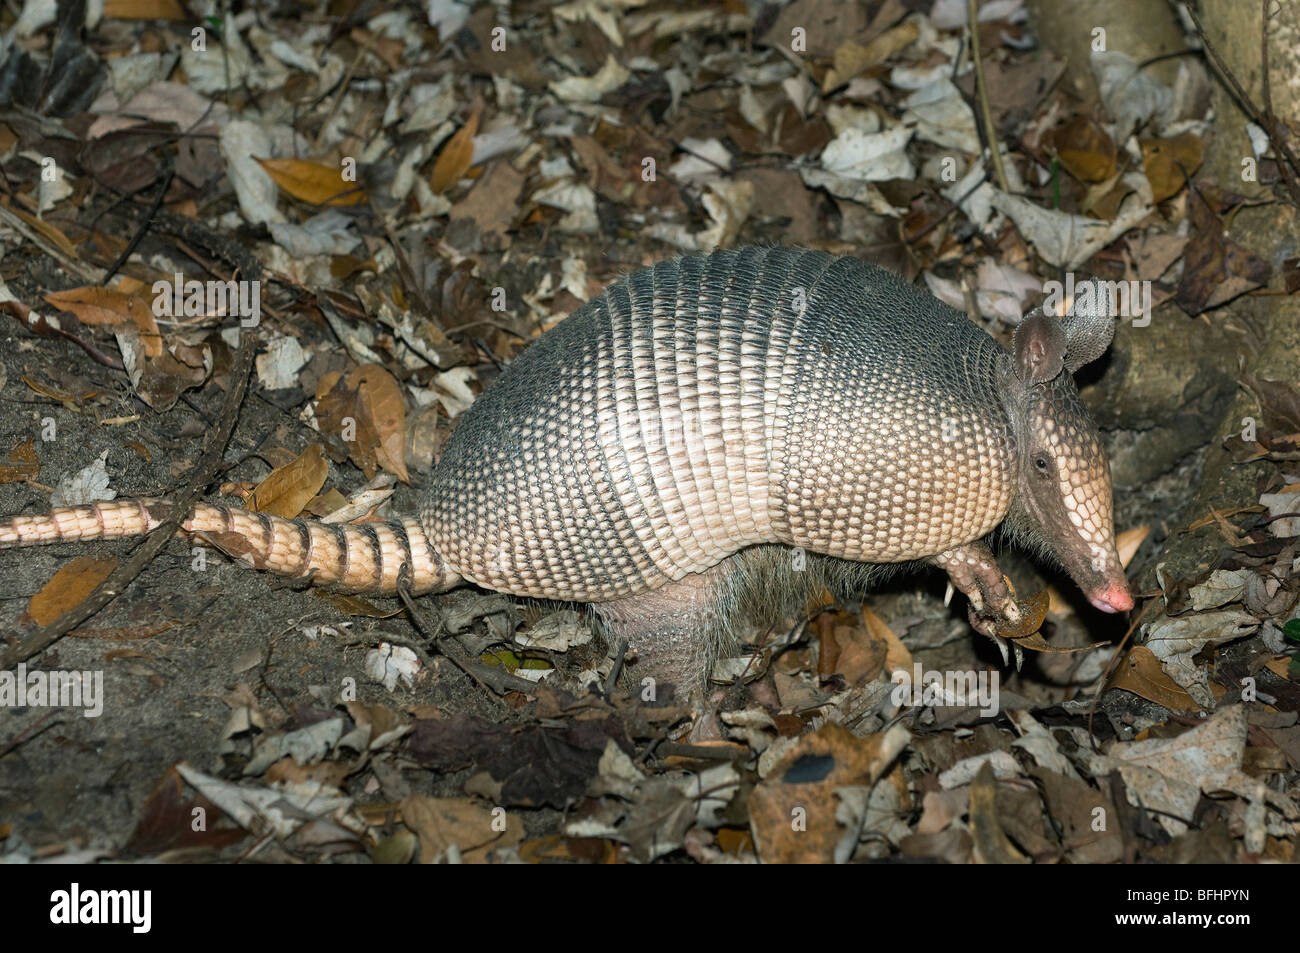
(21,464)
(1103,199)
(48,231)
(355,605)
(493,202)
(1032,613)
(1153,254)
(339,414)
(167,820)
(1216,269)
(992,845)
(326,503)
(1170,162)
(68,587)
(1278,666)
(45,390)
(897,656)
(557,848)
(1085,150)
(144,10)
(851,58)
(176,367)
(389,49)
(1145,676)
(343,267)
(97,306)
(112,307)
(474,830)
(368,402)
(380,718)
(849,650)
(453,162)
(1128,542)
(287,489)
(381,398)
(319,183)
(1036,643)
(236,546)
(331,774)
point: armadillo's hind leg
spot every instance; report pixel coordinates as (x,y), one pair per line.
(974,571)
(675,630)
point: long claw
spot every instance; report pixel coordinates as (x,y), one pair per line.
(1002,647)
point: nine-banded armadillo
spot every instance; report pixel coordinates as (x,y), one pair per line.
(704,422)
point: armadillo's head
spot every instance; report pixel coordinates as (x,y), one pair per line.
(1063,498)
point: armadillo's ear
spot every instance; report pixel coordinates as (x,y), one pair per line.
(1039,348)
(1090,325)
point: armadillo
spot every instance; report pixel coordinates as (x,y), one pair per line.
(707,421)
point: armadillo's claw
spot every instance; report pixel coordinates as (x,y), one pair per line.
(947,594)
(988,626)
(1002,647)
(1016,650)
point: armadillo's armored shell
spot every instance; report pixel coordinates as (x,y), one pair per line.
(713,402)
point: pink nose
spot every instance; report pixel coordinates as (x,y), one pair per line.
(1115,599)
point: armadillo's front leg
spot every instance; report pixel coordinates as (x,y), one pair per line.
(975,572)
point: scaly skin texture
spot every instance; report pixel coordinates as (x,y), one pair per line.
(713,403)
(364,557)
(709,405)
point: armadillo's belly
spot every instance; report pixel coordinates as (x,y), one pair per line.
(715,402)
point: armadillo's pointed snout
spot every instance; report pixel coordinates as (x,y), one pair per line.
(1115,598)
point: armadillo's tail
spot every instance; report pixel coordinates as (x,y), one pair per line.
(351,557)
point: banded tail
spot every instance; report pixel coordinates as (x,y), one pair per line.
(349,557)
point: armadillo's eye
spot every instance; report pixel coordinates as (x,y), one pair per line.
(1040,463)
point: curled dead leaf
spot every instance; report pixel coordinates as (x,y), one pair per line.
(319,183)
(289,488)
(453,162)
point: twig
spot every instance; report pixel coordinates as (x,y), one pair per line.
(982,91)
(953,206)
(28,733)
(619,655)
(494,681)
(343,88)
(73,265)
(42,326)
(142,230)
